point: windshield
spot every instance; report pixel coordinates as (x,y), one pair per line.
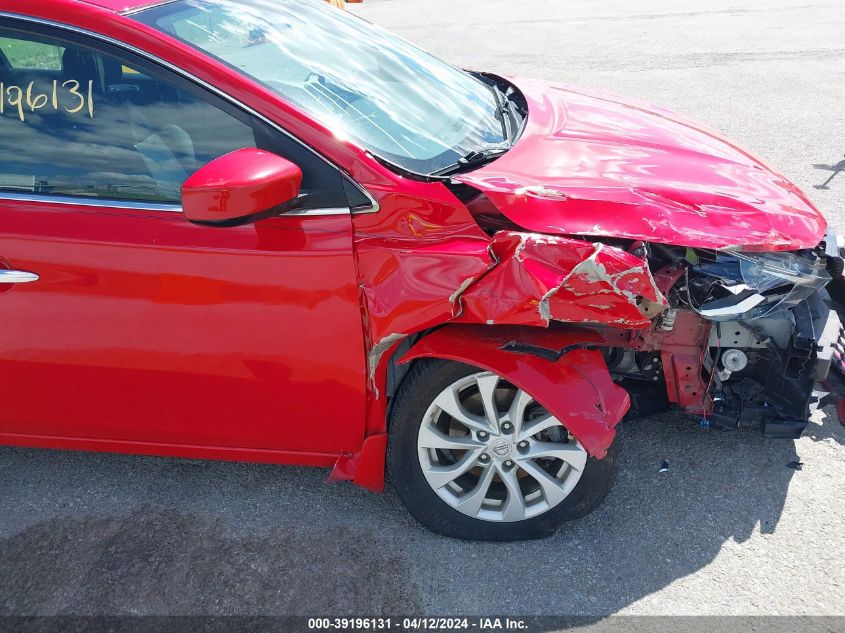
(363,83)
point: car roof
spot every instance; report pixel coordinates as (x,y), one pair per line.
(122,6)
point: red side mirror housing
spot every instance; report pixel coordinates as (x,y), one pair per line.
(239,187)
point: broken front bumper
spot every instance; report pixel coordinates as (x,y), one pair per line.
(782,384)
(820,326)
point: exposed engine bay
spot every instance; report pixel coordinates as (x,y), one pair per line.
(767,330)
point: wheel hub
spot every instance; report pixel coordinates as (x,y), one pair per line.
(501,448)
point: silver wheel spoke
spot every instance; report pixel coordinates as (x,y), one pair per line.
(432,438)
(516,413)
(514,509)
(532,427)
(438,476)
(487,384)
(471,502)
(572,454)
(552,489)
(449,402)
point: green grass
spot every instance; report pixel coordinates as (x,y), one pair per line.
(31,55)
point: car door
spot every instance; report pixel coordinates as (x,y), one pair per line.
(124,322)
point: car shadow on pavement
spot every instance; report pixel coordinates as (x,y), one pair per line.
(105,534)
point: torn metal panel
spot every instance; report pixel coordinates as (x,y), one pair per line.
(576,388)
(375,355)
(540,278)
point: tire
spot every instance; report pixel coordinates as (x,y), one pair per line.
(427,446)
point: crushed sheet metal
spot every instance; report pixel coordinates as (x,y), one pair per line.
(447,260)
(576,388)
(364,468)
(540,278)
(639,173)
(539,191)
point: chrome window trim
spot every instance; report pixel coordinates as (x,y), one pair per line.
(200,82)
(105,203)
(91,202)
(310,212)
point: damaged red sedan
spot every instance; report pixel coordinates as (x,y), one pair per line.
(270,231)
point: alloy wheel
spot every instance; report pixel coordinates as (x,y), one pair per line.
(490,451)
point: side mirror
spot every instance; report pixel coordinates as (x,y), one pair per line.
(239,187)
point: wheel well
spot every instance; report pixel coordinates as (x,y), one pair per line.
(397,373)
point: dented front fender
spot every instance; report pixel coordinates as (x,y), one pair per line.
(561,369)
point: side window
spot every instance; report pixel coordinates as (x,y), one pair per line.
(94,122)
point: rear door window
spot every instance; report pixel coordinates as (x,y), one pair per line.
(20,54)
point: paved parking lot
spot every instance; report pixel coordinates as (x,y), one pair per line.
(729,529)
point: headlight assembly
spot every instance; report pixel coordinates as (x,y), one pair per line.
(754,285)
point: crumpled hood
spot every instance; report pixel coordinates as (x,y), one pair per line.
(591,164)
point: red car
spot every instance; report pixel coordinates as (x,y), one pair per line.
(270,231)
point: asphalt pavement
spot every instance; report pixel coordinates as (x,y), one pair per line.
(737,525)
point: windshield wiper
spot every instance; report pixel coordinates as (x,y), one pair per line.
(513,117)
(472,160)
(504,111)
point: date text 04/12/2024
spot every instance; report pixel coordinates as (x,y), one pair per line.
(417,624)
(27,100)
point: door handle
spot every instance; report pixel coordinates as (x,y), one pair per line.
(16,277)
